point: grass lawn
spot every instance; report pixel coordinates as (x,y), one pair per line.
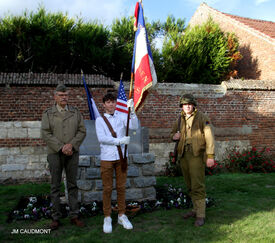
(244,212)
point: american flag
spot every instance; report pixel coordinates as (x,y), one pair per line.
(121,105)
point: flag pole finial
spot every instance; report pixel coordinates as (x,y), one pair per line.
(81,71)
(121,75)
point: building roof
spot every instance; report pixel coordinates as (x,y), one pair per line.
(238,84)
(52,79)
(266,27)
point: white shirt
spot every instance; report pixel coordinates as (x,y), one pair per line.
(107,142)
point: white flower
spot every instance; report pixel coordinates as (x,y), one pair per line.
(94,204)
(29,205)
(33,199)
(26,216)
(158,203)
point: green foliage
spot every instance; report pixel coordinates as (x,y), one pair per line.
(53,42)
(198,55)
(46,42)
(243,212)
(121,43)
(249,160)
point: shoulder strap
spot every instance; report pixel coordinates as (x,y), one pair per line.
(177,142)
(114,135)
(179,122)
(109,126)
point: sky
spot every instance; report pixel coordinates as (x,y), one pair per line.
(107,10)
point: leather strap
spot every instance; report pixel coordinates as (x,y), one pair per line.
(122,160)
(177,142)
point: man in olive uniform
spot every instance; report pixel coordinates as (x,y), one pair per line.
(196,140)
(63,131)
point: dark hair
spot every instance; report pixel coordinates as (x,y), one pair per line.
(109,96)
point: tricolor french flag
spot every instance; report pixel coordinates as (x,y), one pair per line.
(93,111)
(142,64)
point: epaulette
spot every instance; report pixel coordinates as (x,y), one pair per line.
(49,108)
(72,108)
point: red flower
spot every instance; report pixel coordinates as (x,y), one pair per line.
(251,166)
(254,149)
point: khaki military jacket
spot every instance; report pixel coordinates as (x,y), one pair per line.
(201,133)
(58,130)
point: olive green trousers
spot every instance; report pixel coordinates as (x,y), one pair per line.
(193,170)
(57,162)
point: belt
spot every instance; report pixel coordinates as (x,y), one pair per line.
(188,147)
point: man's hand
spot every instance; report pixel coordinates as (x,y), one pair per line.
(176,136)
(210,162)
(67,149)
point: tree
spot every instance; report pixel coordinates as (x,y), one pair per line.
(121,42)
(45,42)
(203,54)
(53,42)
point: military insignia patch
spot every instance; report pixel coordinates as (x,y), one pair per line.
(207,122)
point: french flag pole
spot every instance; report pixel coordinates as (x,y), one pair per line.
(143,72)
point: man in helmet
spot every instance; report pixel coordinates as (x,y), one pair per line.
(195,140)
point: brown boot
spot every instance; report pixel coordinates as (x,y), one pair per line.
(189,215)
(199,222)
(54,225)
(76,221)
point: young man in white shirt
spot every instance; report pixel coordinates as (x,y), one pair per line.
(110,159)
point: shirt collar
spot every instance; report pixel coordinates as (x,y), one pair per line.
(192,114)
(60,109)
(109,115)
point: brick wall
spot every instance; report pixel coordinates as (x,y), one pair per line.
(242,113)
(258,49)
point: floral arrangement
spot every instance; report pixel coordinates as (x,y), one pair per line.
(215,169)
(35,208)
(249,160)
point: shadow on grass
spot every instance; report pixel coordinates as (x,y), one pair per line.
(244,211)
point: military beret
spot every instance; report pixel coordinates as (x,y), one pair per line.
(188,99)
(61,88)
